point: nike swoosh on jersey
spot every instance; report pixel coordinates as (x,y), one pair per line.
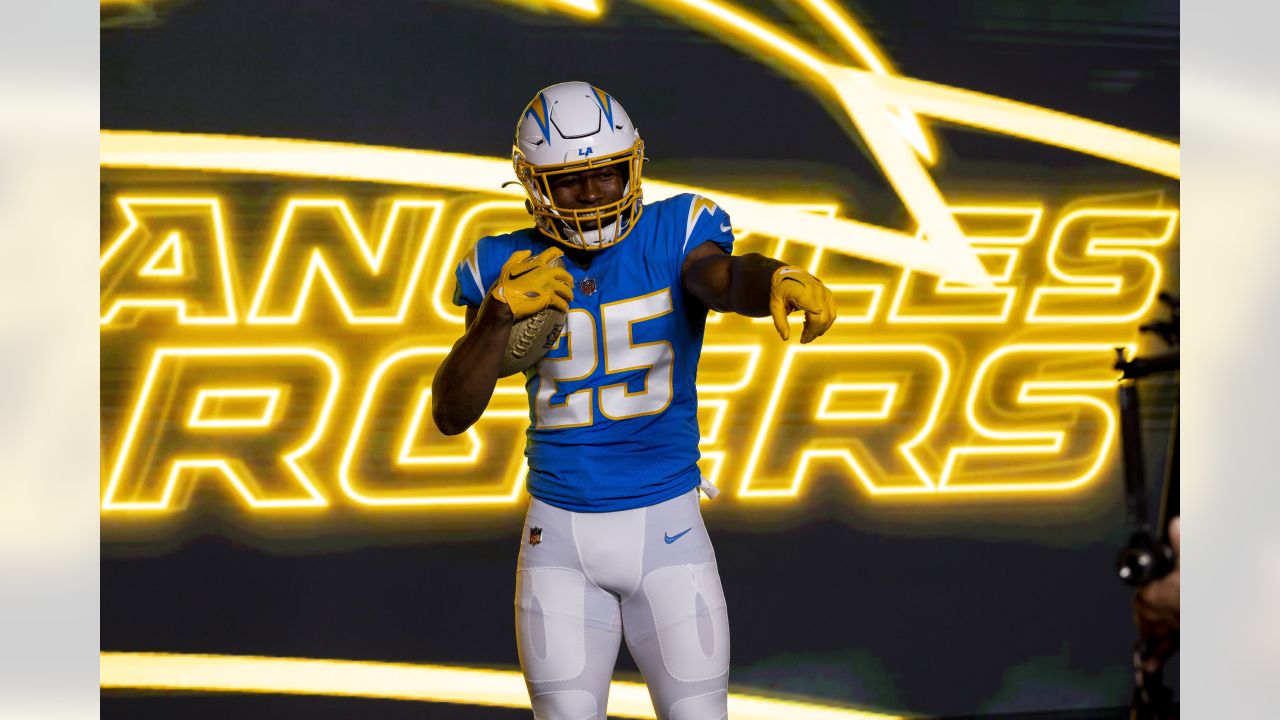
(725,228)
(672,538)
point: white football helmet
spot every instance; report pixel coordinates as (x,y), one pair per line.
(571,127)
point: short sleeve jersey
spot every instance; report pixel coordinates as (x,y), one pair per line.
(613,407)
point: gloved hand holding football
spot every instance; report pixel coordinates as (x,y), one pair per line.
(538,291)
(529,285)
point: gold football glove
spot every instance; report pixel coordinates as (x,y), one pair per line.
(528,285)
(794,289)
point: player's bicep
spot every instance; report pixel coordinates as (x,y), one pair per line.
(707,274)
(470,318)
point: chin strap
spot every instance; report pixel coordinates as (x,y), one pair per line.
(604,235)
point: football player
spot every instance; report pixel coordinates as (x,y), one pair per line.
(614,545)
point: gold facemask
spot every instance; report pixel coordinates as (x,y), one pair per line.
(614,221)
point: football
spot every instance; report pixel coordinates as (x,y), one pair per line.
(532,337)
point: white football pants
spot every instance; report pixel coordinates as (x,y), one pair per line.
(648,575)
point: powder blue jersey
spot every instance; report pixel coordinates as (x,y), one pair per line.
(613,407)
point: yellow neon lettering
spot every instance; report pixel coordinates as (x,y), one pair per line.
(395,455)
(711,416)
(490,217)
(167,261)
(857,295)
(380,277)
(821,383)
(170,434)
(1087,247)
(146,267)
(727,368)
(919,300)
(1065,420)
(1102,264)
(424,468)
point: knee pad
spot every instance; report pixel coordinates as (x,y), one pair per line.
(565,705)
(551,623)
(712,706)
(691,621)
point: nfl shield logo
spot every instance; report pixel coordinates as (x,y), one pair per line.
(535,535)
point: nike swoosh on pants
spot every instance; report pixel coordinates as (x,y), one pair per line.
(672,538)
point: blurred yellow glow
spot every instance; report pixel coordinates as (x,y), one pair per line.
(1029,122)
(908,176)
(856,42)
(468,173)
(877,101)
(710,432)
(945,103)
(945,248)
(421,410)
(398,681)
(586,9)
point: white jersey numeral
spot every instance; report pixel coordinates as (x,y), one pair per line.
(575,409)
(621,354)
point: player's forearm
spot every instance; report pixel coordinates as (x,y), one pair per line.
(463,385)
(750,277)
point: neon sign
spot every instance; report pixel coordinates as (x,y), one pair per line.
(975,360)
(295,386)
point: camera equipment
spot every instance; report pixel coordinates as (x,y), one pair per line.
(1148,556)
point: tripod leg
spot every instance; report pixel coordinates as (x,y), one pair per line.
(1169,499)
(1135,483)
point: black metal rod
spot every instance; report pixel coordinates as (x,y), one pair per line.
(1141,367)
(1170,497)
(1134,467)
